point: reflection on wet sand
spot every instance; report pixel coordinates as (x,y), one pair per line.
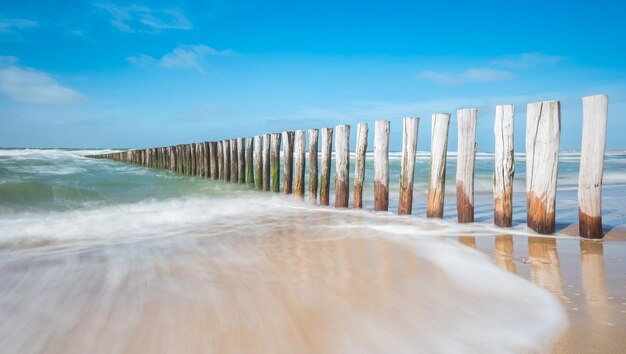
(503,253)
(597,320)
(544,265)
(469,241)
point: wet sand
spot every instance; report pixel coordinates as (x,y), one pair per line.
(588,277)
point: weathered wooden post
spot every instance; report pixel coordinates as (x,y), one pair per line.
(288,162)
(241,160)
(250,162)
(213,158)
(359,164)
(275,162)
(407,165)
(220,160)
(504,166)
(543,134)
(327,143)
(300,163)
(438,154)
(179,159)
(207,159)
(191,159)
(258,162)
(381,166)
(466,156)
(266,162)
(595,116)
(226,150)
(342,166)
(313,136)
(234,159)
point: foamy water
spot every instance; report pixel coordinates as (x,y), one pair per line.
(102,257)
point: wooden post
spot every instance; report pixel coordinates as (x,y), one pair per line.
(288,162)
(595,116)
(191,154)
(207,159)
(300,163)
(258,162)
(438,157)
(213,158)
(342,166)
(466,156)
(226,149)
(504,166)
(381,166)
(407,165)
(543,133)
(275,162)
(220,161)
(234,159)
(266,162)
(327,143)
(241,160)
(359,164)
(313,135)
(250,162)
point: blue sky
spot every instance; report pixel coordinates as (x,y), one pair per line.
(123,74)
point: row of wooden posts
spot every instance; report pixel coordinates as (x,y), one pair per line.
(256,161)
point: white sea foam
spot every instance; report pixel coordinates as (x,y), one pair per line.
(478,308)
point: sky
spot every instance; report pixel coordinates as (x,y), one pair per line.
(155,73)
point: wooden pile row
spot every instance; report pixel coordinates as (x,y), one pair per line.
(256,161)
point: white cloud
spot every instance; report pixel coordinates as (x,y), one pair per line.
(135,18)
(8,25)
(188,57)
(526,60)
(30,85)
(470,75)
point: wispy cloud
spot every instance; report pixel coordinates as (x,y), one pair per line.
(470,75)
(8,25)
(526,60)
(30,85)
(136,18)
(189,57)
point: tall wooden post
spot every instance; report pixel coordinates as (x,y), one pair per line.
(504,166)
(342,166)
(192,159)
(241,160)
(258,162)
(327,143)
(266,162)
(438,154)
(359,164)
(407,165)
(275,162)
(543,135)
(213,157)
(250,162)
(207,159)
(220,160)
(466,156)
(300,163)
(313,136)
(288,162)
(595,116)
(226,149)
(234,161)
(381,166)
